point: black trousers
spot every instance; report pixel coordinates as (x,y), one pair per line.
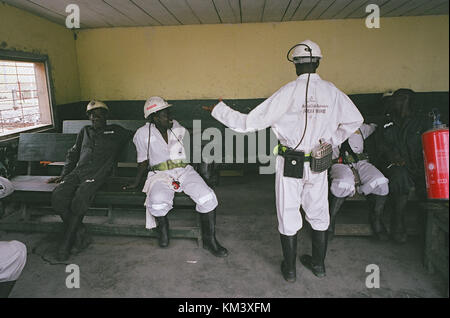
(73,196)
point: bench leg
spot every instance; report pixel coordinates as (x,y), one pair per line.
(110,214)
(200,232)
(2,209)
(25,211)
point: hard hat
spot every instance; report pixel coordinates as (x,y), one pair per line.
(154,104)
(93,104)
(302,52)
(387,94)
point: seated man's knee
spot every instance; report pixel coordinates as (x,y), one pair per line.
(13,255)
(207,202)
(342,189)
(399,180)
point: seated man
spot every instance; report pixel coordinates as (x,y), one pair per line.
(352,172)
(88,165)
(399,143)
(160,149)
(13,256)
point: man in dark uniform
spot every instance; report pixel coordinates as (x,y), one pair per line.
(400,157)
(88,165)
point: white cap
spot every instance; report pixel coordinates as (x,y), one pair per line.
(154,104)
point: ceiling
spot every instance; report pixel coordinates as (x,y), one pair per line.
(124,13)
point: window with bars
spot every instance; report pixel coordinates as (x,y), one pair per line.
(24,97)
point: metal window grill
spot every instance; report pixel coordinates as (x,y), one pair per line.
(19,103)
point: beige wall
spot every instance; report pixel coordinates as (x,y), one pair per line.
(248,60)
(25,32)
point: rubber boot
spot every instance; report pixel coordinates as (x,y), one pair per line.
(377,203)
(163,230)
(335,205)
(288,265)
(316,262)
(398,229)
(82,239)
(210,243)
(68,237)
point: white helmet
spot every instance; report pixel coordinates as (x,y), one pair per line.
(302,52)
(93,104)
(387,94)
(154,104)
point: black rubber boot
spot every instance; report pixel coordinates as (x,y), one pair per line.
(71,228)
(163,230)
(210,243)
(377,203)
(398,226)
(335,205)
(316,262)
(82,239)
(288,265)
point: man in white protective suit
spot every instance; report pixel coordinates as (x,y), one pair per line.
(304,114)
(351,171)
(163,155)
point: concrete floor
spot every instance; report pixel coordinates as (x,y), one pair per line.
(247,226)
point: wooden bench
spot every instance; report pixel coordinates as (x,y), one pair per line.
(111,205)
(353,217)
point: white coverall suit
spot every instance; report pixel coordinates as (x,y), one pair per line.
(158,186)
(332,117)
(371,179)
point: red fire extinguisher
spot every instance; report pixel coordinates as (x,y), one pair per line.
(436,160)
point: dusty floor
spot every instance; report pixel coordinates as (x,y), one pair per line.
(247,226)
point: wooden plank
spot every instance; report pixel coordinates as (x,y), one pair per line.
(334,9)
(39,10)
(99,229)
(274,10)
(361,11)
(252,11)
(88,18)
(350,8)
(320,8)
(157,11)
(74,126)
(291,10)
(353,230)
(438,10)
(306,6)
(391,6)
(44,146)
(134,12)
(426,6)
(205,11)
(228,10)
(181,11)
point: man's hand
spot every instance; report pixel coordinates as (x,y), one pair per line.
(130,186)
(210,108)
(55,180)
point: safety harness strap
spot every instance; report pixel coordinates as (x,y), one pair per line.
(169,164)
